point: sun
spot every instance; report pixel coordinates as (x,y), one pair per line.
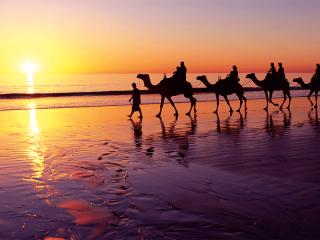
(29,67)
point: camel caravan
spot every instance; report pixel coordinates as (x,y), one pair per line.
(177,84)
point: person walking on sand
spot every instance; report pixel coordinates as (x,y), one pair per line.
(136,101)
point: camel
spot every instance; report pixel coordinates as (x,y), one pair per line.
(168,88)
(271,85)
(313,88)
(223,88)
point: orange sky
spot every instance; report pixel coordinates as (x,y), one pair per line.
(114,36)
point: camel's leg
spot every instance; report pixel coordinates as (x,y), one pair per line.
(309,97)
(241,101)
(218,123)
(270,99)
(193,102)
(289,96)
(267,99)
(227,100)
(172,103)
(161,106)
(316,106)
(217,96)
(284,98)
(245,102)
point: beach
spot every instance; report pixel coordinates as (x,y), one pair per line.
(91,173)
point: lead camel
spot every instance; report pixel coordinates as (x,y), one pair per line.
(168,88)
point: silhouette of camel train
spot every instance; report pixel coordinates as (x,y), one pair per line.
(275,80)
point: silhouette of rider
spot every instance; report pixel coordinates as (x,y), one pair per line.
(234,75)
(281,73)
(176,73)
(180,75)
(272,73)
(183,71)
(316,76)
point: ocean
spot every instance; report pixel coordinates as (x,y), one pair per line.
(13,86)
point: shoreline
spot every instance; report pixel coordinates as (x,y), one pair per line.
(12,96)
(144,104)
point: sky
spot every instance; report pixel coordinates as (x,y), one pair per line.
(130,36)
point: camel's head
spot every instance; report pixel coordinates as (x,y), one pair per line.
(251,75)
(144,77)
(201,78)
(298,80)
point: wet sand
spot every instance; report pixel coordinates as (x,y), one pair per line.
(90,173)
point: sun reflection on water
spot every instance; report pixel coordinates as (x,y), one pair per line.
(35,150)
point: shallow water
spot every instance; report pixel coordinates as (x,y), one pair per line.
(89,173)
(82,83)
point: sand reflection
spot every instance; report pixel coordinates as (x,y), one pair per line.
(278,123)
(35,150)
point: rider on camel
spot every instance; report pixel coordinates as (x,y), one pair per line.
(180,75)
(272,73)
(316,76)
(234,75)
(281,73)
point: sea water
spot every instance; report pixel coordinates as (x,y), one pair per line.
(84,83)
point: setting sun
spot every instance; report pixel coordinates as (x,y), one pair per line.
(29,67)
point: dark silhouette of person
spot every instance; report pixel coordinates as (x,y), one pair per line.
(177,72)
(272,73)
(281,73)
(136,101)
(317,70)
(316,76)
(183,71)
(234,75)
(180,75)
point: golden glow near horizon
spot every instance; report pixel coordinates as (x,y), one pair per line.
(81,36)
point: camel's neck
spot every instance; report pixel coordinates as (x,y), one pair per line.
(149,85)
(257,82)
(207,84)
(304,85)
